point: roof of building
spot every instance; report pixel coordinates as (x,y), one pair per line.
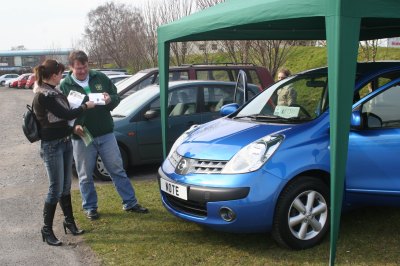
(36,52)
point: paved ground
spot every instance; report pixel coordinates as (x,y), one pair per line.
(23,186)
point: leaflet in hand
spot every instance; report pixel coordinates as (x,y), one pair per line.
(87,137)
(75,100)
(97,98)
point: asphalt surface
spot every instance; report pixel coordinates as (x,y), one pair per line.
(23,187)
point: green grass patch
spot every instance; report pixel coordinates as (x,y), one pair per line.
(369,236)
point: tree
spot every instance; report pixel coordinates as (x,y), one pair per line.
(369,49)
(115,31)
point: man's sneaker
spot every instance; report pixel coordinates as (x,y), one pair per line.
(92,215)
(138,208)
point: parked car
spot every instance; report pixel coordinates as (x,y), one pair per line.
(6,77)
(30,82)
(223,72)
(117,78)
(266,167)
(13,83)
(137,124)
(23,79)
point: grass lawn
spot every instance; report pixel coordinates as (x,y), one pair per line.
(369,236)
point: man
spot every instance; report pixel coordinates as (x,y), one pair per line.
(98,122)
(287,95)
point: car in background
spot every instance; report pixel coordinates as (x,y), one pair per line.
(22,80)
(6,77)
(117,78)
(265,166)
(221,72)
(137,122)
(13,83)
(30,82)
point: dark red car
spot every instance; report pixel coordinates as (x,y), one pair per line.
(29,83)
(22,80)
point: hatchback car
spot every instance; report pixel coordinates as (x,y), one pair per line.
(266,166)
(6,77)
(22,80)
(222,72)
(137,123)
(30,82)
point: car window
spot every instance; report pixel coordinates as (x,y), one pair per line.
(216,97)
(143,84)
(376,83)
(221,75)
(173,76)
(382,111)
(182,101)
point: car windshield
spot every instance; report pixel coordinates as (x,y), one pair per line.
(294,100)
(131,103)
(127,82)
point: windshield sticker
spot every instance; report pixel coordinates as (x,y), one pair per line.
(286,111)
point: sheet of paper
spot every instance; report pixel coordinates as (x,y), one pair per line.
(97,98)
(75,99)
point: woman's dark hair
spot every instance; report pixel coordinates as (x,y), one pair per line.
(79,56)
(47,69)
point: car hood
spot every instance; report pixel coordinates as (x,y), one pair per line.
(222,138)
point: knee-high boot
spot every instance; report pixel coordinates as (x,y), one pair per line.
(47,229)
(69,221)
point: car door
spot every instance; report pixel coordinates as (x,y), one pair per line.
(183,113)
(373,158)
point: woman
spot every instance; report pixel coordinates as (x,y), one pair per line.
(53,112)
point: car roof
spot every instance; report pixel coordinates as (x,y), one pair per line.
(200,66)
(362,68)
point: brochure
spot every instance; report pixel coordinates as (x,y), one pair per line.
(87,137)
(75,100)
(97,98)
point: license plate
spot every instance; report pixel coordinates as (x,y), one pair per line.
(174,189)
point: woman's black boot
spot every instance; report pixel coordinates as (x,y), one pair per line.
(47,230)
(69,221)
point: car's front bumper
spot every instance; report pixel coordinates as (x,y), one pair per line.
(250,196)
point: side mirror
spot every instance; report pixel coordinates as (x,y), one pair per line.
(150,114)
(228,109)
(355,119)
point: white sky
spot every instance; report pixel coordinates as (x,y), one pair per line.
(47,24)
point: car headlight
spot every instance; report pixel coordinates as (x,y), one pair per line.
(181,139)
(253,156)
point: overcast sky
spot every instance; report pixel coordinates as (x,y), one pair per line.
(46,24)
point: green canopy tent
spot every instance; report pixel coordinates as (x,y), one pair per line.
(341,22)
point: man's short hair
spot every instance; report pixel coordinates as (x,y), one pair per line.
(79,56)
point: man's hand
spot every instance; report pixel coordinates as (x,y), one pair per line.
(107,98)
(78,130)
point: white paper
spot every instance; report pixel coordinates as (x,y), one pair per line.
(97,98)
(287,111)
(75,100)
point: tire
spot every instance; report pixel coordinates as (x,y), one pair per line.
(301,217)
(2,83)
(100,171)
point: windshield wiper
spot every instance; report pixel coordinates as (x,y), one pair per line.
(258,116)
(117,115)
(273,118)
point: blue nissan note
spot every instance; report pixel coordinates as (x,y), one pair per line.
(265,166)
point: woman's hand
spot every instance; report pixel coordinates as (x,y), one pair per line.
(78,130)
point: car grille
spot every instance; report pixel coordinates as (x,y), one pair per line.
(186,206)
(207,166)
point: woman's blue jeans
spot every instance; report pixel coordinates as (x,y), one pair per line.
(57,157)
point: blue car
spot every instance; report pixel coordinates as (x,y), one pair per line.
(266,165)
(137,122)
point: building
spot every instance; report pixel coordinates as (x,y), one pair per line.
(20,61)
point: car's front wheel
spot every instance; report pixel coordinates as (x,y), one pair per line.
(302,214)
(100,171)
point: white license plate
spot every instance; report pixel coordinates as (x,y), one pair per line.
(173,189)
